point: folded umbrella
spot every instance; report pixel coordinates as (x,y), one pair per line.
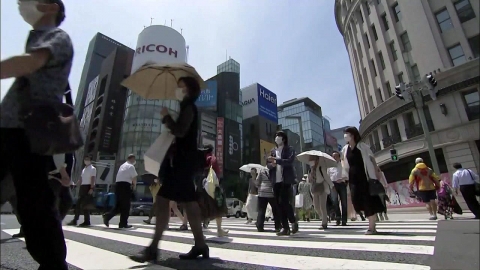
(156,81)
(325,161)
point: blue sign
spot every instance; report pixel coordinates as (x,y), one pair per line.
(208,97)
(267,104)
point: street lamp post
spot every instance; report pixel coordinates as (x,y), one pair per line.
(414,92)
(302,141)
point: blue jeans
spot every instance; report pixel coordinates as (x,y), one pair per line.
(340,191)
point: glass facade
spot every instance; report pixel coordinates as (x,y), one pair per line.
(312,123)
(229,66)
(142,125)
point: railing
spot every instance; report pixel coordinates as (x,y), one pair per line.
(390,140)
(414,131)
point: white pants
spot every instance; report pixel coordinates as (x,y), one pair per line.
(320,205)
(251,206)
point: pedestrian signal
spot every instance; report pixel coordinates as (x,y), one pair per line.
(393,155)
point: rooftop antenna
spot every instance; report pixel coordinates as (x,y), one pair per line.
(144,27)
(171,23)
(188,50)
(151,20)
(181,31)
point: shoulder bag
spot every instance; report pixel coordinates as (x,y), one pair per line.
(51,127)
(375,187)
(318,188)
(477,185)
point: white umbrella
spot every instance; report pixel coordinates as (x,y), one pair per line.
(248,167)
(325,161)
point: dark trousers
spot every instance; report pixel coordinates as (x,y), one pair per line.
(340,192)
(36,200)
(123,193)
(282,193)
(262,209)
(468,193)
(63,196)
(82,196)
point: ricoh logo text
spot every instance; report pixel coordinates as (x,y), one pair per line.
(267,96)
(155,48)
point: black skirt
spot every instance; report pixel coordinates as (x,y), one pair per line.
(178,181)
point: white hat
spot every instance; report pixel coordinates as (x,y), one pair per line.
(418,160)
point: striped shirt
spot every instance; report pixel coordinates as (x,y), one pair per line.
(265,188)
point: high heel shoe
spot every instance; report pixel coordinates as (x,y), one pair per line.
(195,252)
(147,255)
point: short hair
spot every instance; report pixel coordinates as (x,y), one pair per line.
(457,166)
(284,136)
(61,11)
(355,133)
(254,169)
(418,160)
(88,157)
(335,152)
(131,156)
(193,87)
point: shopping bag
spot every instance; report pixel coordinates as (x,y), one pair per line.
(156,153)
(211,183)
(298,200)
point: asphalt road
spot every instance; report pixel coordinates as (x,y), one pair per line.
(407,241)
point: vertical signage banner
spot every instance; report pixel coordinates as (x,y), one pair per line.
(267,104)
(232,145)
(220,142)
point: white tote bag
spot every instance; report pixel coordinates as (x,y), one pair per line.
(299,201)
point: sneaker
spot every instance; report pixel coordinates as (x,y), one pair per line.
(147,221)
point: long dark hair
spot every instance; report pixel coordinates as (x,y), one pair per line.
(354,132)
(193,87)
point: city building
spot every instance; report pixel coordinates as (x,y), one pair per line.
(99,48)
(308,114)
(338,135)
(260,121)
(102,117)
(330,141)
(229,66)
(390,42)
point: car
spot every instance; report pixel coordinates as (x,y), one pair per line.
(141,210)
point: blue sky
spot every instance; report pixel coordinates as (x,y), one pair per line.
(293,48)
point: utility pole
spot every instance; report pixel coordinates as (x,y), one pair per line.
(151,21)
(414,90)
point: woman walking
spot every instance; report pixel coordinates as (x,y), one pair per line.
(359,162)
(304,190)
(265,197)
(178,171)
(320,188)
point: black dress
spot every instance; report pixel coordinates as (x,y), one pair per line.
(361,199)
(177,171)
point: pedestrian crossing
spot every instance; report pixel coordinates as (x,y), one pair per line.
(406,244)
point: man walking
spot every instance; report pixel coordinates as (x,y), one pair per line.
(427,183)
(464,179)
(124,186)
(282,175)
(339,191)
(87,186)
(44,67)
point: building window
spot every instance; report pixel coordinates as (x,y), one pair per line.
(406,42)
(385,22)
(368,41)
(379,93)
(396,12)
(416,73)
(400,77)
(382,61)
(464,10)
(370,100)
(393,51)
(389,89)
(360,50)
(443,20)
(472,104)
(367,7)
(361,16)
(457,55)
(374,31)
(374,68)
(475,46)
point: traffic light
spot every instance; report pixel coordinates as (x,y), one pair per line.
(432,83)
(393,155)
(400,91)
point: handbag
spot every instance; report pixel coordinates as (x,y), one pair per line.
(318,188)
(299,201)
(375,187)
(51,127)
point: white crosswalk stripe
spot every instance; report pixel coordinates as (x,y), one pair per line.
(400,245)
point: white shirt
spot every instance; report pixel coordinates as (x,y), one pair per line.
(278,154)
(87,174)
(336,173)
(126,173)
(462,177)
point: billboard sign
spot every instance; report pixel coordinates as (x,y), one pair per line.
(267,104)
(112,117)
(233,154)
(208,97)
(220,143)
(265,149)
(258,100)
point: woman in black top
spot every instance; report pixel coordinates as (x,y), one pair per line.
(177,173)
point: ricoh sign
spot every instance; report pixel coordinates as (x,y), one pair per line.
(160,45)
(258,100)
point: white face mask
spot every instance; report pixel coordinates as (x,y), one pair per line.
(179,94)
(278,140)
(347,137)
(311,163)
(29,12)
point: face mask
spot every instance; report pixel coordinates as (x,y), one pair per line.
(311,163)
(347,137)
(179,94)
(29,12)
(87,162)
(278,140)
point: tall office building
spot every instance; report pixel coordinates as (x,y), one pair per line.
(390,42)
(229,66)
(291,112)
(98,49)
